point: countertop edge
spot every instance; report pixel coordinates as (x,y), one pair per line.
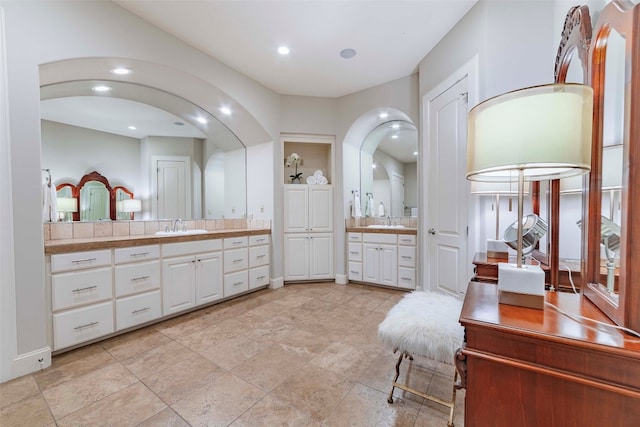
(413,231)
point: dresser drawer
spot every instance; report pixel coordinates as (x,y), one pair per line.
(407,239)
(138,309)
(236,259)
(354,237)
(355,251)
(235,283)
(406,256)
(138,253)
(136,278)
(235,242)
(80,288)
(80,260)
(258,277)
(355,271)
(258,255)
(262,239)
(82,324)
(407,278)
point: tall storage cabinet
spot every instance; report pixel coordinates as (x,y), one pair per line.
(308,240)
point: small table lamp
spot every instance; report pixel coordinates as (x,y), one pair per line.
(541,132)
(129,206)
(64,205)
(497,248)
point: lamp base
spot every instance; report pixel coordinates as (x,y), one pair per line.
(522,286)
(497,249)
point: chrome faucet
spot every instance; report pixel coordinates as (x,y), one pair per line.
(175,224)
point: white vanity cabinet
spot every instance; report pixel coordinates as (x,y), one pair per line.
(259,260)
(137,285)
(354,252)
(81,297)
(236,264)
(308,239)
(191,274)
(407,261)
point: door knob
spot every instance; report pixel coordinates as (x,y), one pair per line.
(432,231)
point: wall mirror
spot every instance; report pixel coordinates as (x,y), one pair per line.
(388,170)
(610,276)
(177,159)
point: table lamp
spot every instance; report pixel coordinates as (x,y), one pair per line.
(64,205)
(129,206)
(497,248)
(541,132)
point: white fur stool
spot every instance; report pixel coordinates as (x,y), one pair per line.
(425,324)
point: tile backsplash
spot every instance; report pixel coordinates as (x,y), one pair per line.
(407,221)
(89,230)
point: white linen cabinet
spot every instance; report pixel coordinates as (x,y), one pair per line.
(308,239)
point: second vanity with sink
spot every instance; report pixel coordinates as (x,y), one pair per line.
(99,287)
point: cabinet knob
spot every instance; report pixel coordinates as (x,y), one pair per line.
(432,231)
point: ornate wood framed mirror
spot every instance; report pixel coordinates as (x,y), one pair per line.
(612,282)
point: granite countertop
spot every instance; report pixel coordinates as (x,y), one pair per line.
(71,245)
(406,230)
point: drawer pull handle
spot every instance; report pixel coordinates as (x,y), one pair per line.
(238,260)
(408,279)
(406,257)
(354,272)
(261,240)
(354,252)
(135,279)
(78,261)
(261,277)
(236,243)
(88,325)
(88,288)
(260,256)
(142,310)
(139,254)
(238,283)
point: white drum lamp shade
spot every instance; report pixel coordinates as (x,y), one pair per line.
(540,132)
(130,205)
(67,204)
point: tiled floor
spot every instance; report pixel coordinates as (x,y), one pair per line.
(302,355)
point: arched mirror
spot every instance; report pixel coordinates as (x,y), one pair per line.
(127,131)
(388,170)
(95,197)
(126,205)
(613,232)
(67,202)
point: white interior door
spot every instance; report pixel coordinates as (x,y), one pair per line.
(173,188)
(397,194)
(447,189)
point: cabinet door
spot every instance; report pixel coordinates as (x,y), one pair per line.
(296,208)
(178,284)
(208,277)
(388,267)
(320,256)
(320,208)
(296,257)
(371,261)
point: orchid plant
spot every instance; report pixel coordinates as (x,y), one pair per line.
(295,160)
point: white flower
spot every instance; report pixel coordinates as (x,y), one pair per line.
(293,159)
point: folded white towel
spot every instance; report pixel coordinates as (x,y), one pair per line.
(322,180)
(357,212)
(381,209)
(311,180)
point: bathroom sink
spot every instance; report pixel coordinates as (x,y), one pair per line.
(385,226)
(180,232)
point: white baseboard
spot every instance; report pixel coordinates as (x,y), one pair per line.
(342,279)
(276,283)
(31,362)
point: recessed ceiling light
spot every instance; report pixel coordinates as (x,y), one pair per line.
(132,127)
(283,50)
(383,115)
(201,120)
(121,71)
(395,126)
(348,53)
(101,88)
(394,136)
(373,165)
(225,110)
(415,153)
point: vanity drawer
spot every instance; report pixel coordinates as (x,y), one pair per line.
(235,283)
(355,252)
(138,253)
(186,248)
(138,309)
(407,239)
(82,324)
(406,278)
(354,237)
(258,276)
(80,260)
(355,271)
(390,239)
(136,278)
(236,259)
(407,256)
(236,242)
(258,255)
(80,288)
(262,239)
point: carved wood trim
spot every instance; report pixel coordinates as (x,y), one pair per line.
(114,194)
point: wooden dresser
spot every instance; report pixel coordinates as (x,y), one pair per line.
(528,367)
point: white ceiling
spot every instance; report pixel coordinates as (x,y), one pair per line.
(390,37)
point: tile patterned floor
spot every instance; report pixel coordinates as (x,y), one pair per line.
(302,355)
